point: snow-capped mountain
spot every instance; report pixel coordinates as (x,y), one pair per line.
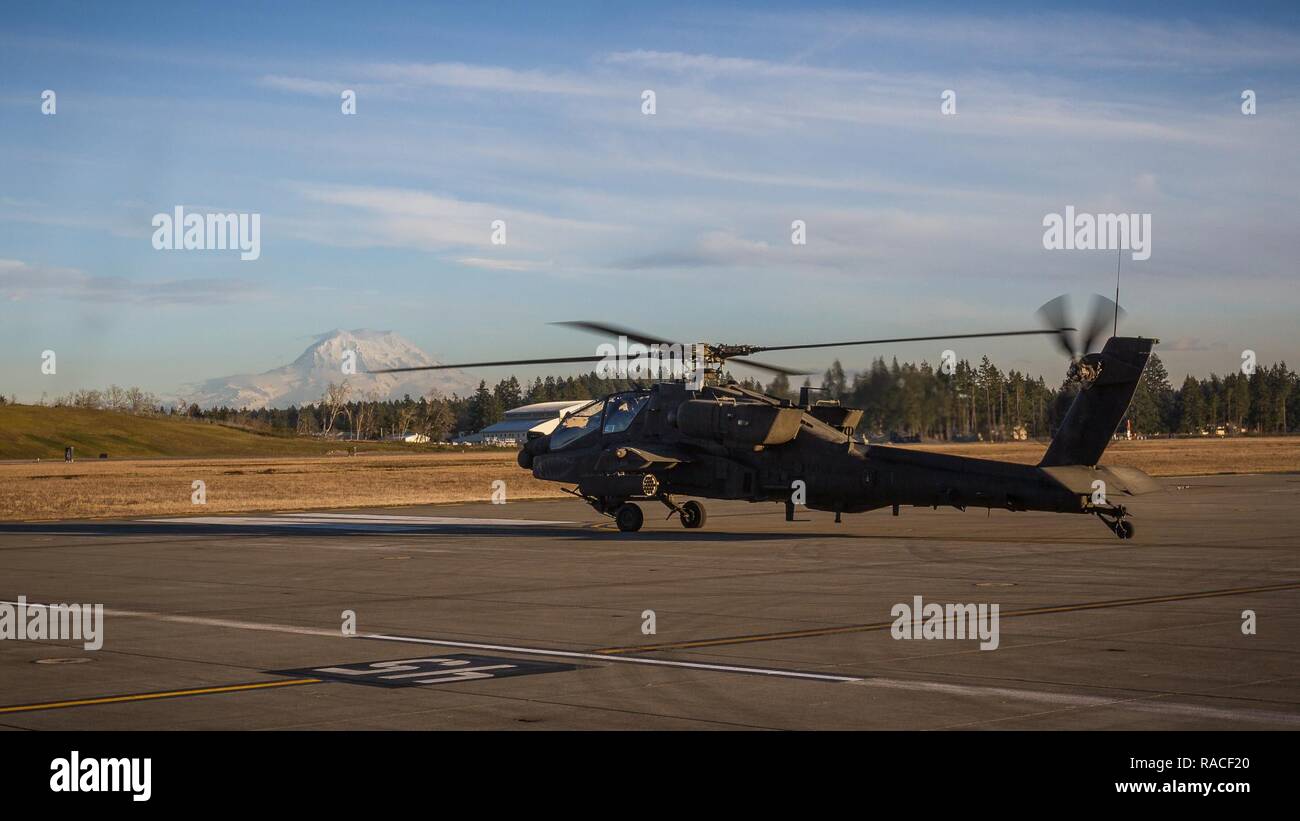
(307,377)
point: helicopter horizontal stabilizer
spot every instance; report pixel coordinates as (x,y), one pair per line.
(1118,480)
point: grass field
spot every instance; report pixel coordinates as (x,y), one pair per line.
(1161,457)
(109,488)
(37,432)
(97,488)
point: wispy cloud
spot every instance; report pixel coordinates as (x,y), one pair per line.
(466,76)
(418,219)
(500,264)
(1061,41)
(303,85)
(21,281)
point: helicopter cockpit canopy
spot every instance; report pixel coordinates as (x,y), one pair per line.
(577,425)
(621,409)
(616,412)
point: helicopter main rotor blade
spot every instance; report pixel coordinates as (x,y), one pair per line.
(646,339)
(763,348)
(604,329)
(556,360)
(769,367)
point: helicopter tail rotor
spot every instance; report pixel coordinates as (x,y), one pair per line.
(1055,316)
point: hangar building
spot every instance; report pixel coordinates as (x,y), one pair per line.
(542,417)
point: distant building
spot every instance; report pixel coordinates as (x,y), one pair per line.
(541,418)
(414,438)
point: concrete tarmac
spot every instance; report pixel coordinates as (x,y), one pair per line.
(538,614)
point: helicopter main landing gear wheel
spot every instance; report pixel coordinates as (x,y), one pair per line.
(629,517)
(693,515)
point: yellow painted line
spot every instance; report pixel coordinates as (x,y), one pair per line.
(202,691)
(885,625)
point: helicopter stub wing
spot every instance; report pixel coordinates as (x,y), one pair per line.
(627,459)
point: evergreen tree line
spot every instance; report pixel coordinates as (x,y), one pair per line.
(435,416)
(986,403)
(973,402)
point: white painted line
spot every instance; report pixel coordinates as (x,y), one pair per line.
(1069,700)
(531,651)
(1144,703)
(210,622)
(693,665)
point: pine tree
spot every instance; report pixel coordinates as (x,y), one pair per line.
(508,393)
(484,409)
(1153,400)
(779,387)
(834,381)
(1191,418)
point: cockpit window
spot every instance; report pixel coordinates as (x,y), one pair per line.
(577,425)
(622,409)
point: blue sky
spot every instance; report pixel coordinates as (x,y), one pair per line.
(677,222)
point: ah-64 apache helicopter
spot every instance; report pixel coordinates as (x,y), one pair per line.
(697,435)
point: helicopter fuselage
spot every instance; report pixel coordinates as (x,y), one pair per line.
(728,442)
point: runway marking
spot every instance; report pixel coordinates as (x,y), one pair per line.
(574,654)
(199,691)
(885,625)
(1143,703)
(350,520)
(209,622)
(443,668)
(336,633)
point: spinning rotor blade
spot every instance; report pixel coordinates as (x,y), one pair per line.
(615,330)
(740,352)
(605,329)
(1055,315)
(762,348)
(766,367)
(550,361)
(1103,311)
(592,327)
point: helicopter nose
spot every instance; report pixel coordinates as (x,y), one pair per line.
(531,448)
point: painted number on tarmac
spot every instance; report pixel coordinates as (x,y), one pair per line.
(449,669)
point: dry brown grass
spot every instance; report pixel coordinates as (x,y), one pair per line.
(144,487)
(1161,457)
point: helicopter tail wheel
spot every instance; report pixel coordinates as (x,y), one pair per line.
(1121,527)
(629,517)
(693,515)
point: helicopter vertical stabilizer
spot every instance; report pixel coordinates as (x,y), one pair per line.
(1108,381)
